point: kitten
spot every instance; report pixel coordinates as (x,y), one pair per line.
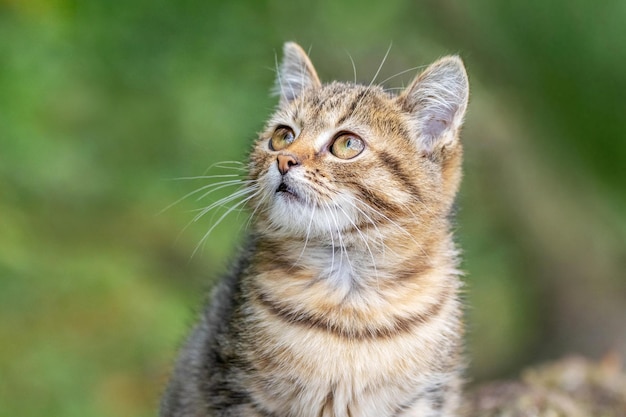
(345,301)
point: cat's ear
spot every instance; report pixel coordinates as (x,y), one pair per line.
(295,74)
(436,101)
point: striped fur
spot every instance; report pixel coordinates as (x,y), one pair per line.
(345,301)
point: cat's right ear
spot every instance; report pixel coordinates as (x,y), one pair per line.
(295,74)
(436,102)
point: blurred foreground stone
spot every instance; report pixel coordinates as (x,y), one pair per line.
(573,387)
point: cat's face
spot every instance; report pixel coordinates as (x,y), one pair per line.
(337,158)
(343,158)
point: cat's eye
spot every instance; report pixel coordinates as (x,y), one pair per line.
(347,146)
(281,138)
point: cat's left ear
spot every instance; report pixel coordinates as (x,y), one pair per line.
(295,74)
(436,101)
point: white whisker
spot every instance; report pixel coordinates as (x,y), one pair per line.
(372,222)
(397,226)
(353,65)
(332,240)
(206,235)
(400,73)
(380,66)
(226,165)
(203,188)
(256,208)
(308,233)
(206,177)
(342,246)
(225,184)
(364,238)
(221,202)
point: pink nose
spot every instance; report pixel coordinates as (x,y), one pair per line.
(286,161)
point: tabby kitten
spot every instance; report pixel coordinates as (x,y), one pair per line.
(345,301)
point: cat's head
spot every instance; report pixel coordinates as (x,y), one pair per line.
(339,157)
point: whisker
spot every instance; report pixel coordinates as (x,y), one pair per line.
(342,245)
(203,188)
(405,206)
(400,73)
(225,165)
(206,235)
(332,240)
(363,237)
(353,65)
(371,221)
(205,177)
(225,184)
(381,65)
(308,232)
(281,90)
(400,228)
(256,208)
(381,214)
(374,78)
(221,202)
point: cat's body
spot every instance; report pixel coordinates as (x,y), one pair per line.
(345,302)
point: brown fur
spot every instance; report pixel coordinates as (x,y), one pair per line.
(346,302)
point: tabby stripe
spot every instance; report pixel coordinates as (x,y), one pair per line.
(262,411)
(328,404)
(352,108)
(437,395)
(274,261)
(316,106)
(273,255)
(225,398)
(370,198)
(403,407)
(395,167)
(302,318)
(415,266)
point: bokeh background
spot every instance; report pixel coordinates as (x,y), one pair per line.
(104,103)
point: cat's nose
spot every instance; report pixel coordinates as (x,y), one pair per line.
(286,161)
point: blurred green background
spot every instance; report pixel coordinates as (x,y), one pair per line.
(103,103)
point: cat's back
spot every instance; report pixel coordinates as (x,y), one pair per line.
(203,360)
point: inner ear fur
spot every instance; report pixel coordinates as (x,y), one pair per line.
(295,73)
(436,101)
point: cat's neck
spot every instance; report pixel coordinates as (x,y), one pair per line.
(363,258)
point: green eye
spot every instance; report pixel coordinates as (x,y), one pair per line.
(281,138)
(347,146)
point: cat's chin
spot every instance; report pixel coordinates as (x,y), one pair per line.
(291,212)
(293,215)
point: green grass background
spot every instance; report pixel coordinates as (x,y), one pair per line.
(103,103)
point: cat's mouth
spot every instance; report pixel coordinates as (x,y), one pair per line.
(285,189)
